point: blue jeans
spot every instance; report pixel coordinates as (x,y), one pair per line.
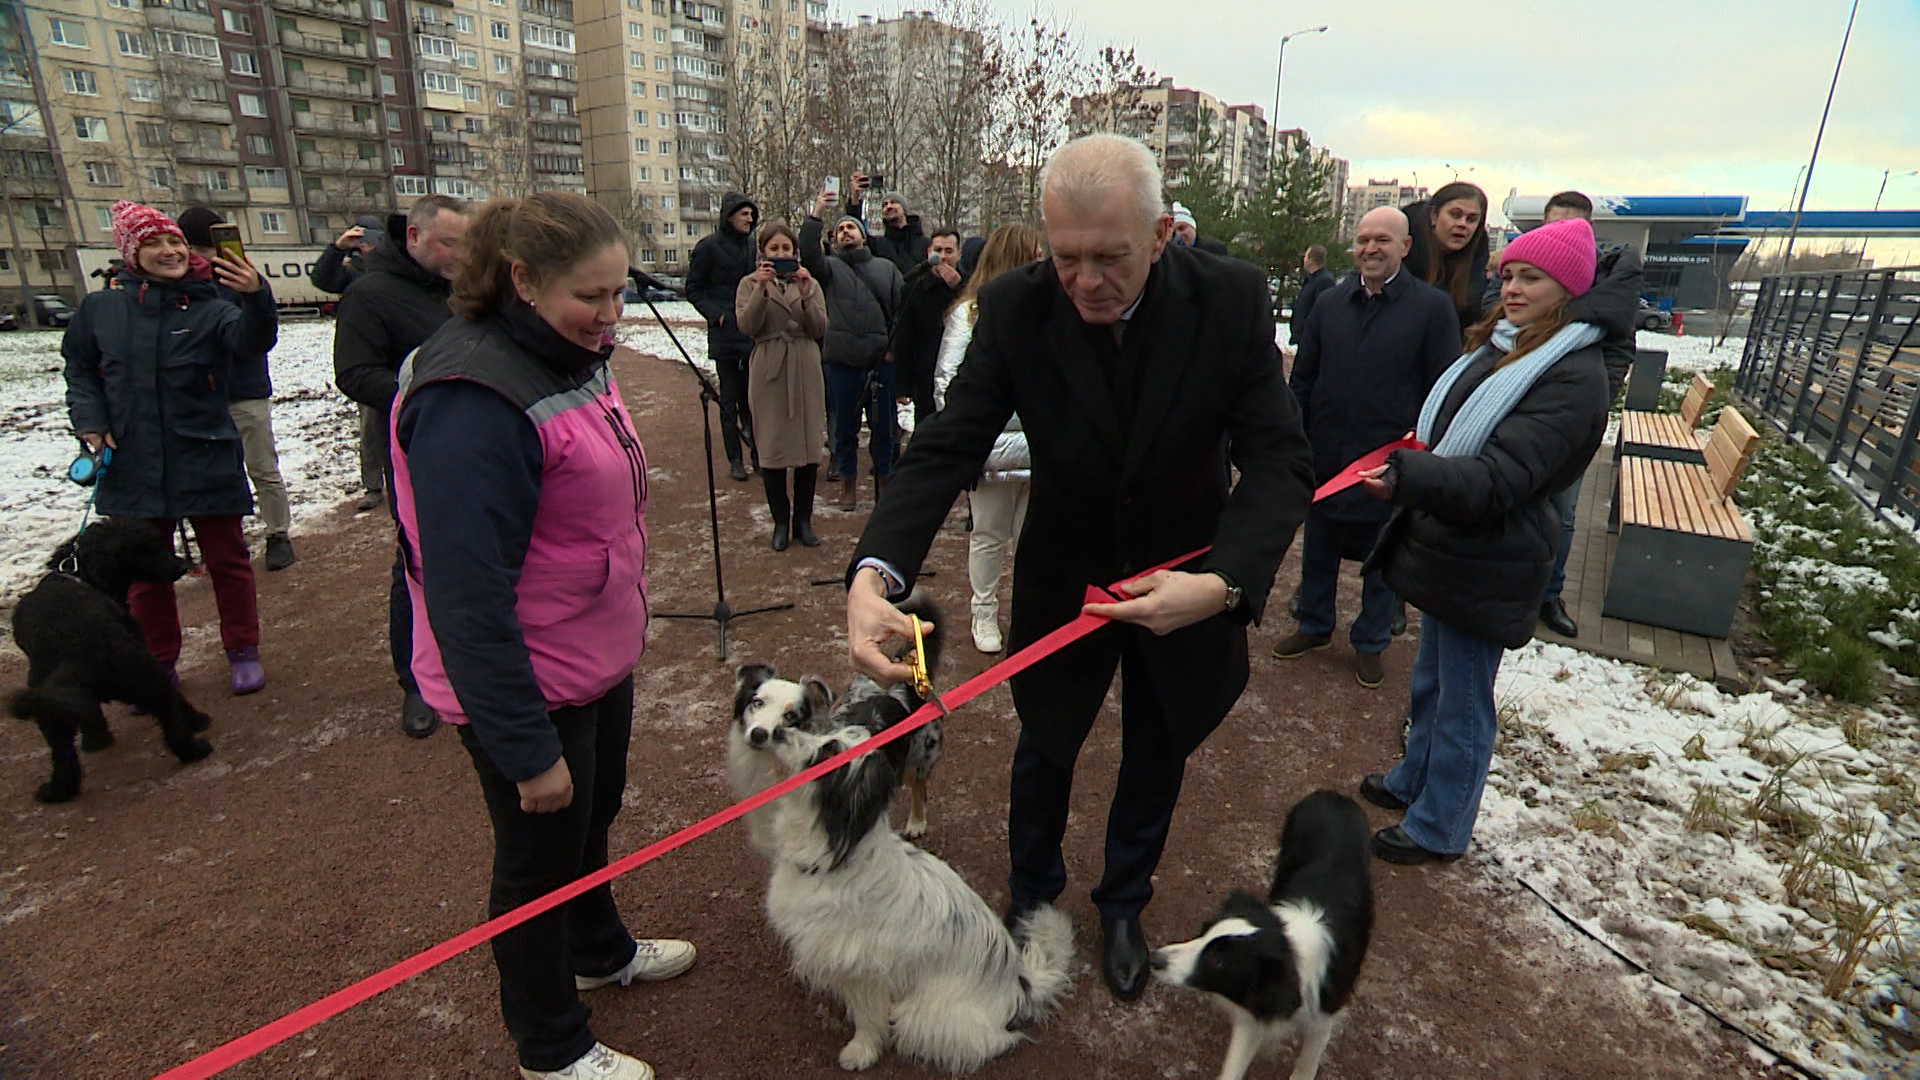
(1320,584)
(1566,502)
(1450,744)
(844,385)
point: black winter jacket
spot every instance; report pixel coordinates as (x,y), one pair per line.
(334,270)
(148,363)
(1317,283)
(1361,369)
(390,311)
(720,260)
(925,299)
(1472,306)
(1473,539)
(863,299)
(903,246)
(249,380)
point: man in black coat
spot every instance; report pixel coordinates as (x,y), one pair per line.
(1364,361)
(388,312)
(1130,362)
(339,264)
(902,240)
(1318,281)
(927,294)
(720,260)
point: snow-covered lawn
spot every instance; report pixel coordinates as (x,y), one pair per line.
(1695,353)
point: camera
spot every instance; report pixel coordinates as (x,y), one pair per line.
(785,268)
(876,180)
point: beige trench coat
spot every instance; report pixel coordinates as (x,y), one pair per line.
(786,392)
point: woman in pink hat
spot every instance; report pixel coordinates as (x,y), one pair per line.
(1472,544)
(147,368)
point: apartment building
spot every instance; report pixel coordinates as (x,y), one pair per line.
(1338,169)
(1371,196)
(1174,121)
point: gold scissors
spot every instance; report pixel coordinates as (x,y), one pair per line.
(922,682)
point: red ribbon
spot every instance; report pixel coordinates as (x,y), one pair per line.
(232,1053)
(1350,475)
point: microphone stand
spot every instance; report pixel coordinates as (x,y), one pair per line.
(722,612)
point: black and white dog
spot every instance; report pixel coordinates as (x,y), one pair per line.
(1288,965)
(915,955)
(764,703)
(83,648)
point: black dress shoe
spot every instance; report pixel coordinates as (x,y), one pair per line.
(1393,845)
(1125,959)
(1373,788)
(1398,625)
(1553,615)
(417,718)
(803,532)
(780,536)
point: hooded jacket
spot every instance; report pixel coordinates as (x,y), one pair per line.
(1472,307)
(719,261)
(149,364)
(863,299)
(387,313)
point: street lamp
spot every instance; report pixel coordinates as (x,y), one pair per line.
(1273,124)
(1886,175)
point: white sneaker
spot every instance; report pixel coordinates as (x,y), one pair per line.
(653,960)
(986,631)
(599,1063)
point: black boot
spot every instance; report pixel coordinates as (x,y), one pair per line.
(776,484)
(803,479)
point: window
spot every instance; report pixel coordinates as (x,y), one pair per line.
(746,51)
(90,128)
(502,64)
(462,24)
(139,89)
(635,30)
(383,47)
(659,7)
(646,255)
(640,146)
(666,145)
(394,122)
(427,16)
(262,177)
(260,144)
(409,185)
(660,91)
(151,134)
(433,48)
(101,172)
(52,259)
(667,229)
(673,256)
(637,88)
(367,151)
(440,82)
(239,22)
(129,5)
(640,117)
(459,189)
(159,176)
(634,59)
(474,126)
(692,230)
(101,217)
(380,10)
(216,179)
(192,46)
(686,173)
(245,63)
(643,174)
(251,105)
(503,99)
(132,43)
(793,33)
(65,32)
(470,92)
(659,63)
(500,31)
(547,37)
(467,58)
(79,82)
(666,203)
(559,106)
(273,222)
(659,35)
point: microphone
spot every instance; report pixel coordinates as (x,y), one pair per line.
(648,281)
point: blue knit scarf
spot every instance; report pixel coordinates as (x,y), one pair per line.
(1499,392)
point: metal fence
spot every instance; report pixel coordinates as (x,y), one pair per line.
(1833,360)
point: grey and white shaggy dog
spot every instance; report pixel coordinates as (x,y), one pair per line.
(764,703)
(916,956)
(83,648)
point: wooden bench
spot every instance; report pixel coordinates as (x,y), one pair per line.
(1681,559)
(1667,436)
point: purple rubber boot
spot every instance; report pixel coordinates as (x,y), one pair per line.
(248,676)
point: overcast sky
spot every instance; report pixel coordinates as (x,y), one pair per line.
(1619,97)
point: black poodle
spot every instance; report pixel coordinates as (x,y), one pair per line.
(83,648)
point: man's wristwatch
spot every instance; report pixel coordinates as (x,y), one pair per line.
(1234,594)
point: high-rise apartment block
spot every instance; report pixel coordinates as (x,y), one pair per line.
(1371,196)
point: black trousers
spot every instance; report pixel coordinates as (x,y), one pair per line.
(734,417)
(399,600)
(534,854)
(1151,772)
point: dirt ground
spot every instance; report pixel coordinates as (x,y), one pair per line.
(172,908)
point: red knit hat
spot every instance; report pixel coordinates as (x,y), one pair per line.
(1563,249)
(134,223)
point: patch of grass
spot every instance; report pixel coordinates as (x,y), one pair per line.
(1842,665)
(1857,927)
(1696,748)
(1592,816)
(1624,762)
(1711,811)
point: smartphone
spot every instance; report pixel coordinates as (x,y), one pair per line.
(784,267)
(877,180)
(831,186)
(226,240)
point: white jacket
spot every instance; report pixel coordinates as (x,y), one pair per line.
(1009,460)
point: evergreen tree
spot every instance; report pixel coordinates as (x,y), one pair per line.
(1292,211)
(1202,184)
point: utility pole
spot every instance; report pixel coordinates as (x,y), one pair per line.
(1786,260)
(1279,71)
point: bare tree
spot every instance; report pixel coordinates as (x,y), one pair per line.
(962,82)
(767,136)
(1032,120)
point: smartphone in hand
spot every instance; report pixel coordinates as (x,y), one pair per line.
(226,240)
(831,188)
(784,267)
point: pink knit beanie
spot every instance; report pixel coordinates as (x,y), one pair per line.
(1563,249)
(134,223)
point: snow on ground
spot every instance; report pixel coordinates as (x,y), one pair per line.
(1719,841)
(1695,353)
(316,429)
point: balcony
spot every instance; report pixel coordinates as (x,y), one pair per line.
(443,138)
(211,112)
(341,202)
(327,9)
(335,124)
(208,155)
(341,165)
(295,41)
(172,18)
(206,196)
(552,84)
(320,86)
(565,134)
(552,11)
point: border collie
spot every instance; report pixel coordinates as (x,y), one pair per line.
(763,703)
(915,955)
(1288,966)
